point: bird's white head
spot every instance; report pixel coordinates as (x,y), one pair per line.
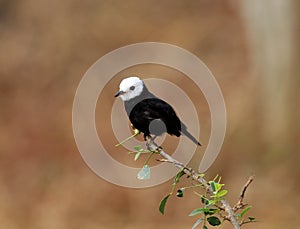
(130,88)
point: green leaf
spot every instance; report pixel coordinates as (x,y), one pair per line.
(204,200)
(211,211)
(138,148)
(201,175)
(197,223)
(204,227)
(163,204)
(216,187)
(212,202)
(213,186)
(252,219)
(206,211)
(178,175)
(220,194)
(245,210)
(198,211)
(214,221)
(137,155)
(180,192)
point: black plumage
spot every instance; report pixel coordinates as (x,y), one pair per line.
(151,115)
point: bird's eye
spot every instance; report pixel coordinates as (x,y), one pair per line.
(132,88)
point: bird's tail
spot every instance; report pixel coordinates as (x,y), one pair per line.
(190,136)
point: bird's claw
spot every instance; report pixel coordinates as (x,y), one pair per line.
(148,145)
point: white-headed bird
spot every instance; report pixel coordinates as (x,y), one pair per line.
(149,114)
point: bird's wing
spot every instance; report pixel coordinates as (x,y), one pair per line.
(154,108)
(157,108)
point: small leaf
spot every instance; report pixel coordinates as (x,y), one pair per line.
(204,227)
(212,202)
(245,210)
(137,155)
(197,211)
(252,219)
(220,194)
(214,221)
(180,192)
(213,186)
(197,223)
(204,200)
(218,187)
(138,148)
(178,175)
(144,173)
(211,211)
(163,204)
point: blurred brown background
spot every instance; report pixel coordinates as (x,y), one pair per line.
(252,48)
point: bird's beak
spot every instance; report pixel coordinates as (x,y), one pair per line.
(119,93)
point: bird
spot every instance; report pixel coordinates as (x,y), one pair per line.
(148,113)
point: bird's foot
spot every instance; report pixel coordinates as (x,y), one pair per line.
(150,147)
(158,149)
(150,144)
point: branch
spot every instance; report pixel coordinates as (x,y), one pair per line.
(240,203)
(195,176)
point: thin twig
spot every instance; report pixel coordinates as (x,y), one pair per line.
(240,203)
(245,188)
